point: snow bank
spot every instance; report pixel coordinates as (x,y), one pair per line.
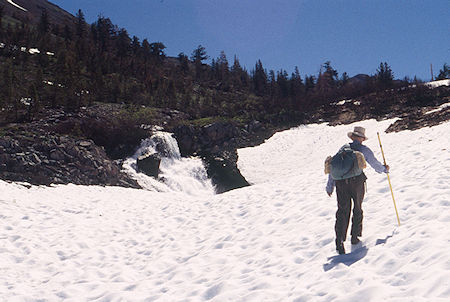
(440,108)
(34,51)
(343,102)
(439,83)
(273,241)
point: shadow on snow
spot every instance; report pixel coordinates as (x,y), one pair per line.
(347,259)
(383,241)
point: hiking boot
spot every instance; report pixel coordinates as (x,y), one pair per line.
(355,240)
(340,248)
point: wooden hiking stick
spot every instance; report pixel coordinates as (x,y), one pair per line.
(389,180)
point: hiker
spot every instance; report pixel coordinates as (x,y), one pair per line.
(352,188)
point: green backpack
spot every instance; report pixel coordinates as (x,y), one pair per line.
(346,163)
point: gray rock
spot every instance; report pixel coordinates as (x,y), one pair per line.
(57,155)
(187,139)
(223,171)
(35,158)
(74,151)
(85,144)
(149,164)
(254,126)
(218,131)
(4,143)
(4,158)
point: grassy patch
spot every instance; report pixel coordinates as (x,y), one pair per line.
(238,120)
(139,115)
(9,20)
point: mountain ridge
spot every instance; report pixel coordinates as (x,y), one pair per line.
(34,8)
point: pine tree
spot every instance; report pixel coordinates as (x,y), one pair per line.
(80,24)
(236,65)
(184,62)
(283,84)
(444,73)
(259,79)
(103,30)
(123,43)
(222,67)
(384,75)
(344,79)
(135,45)
(67,34)
(44,23)
(199,54)
(310,83)
(333,74)
(146,49)
(297,87)
(327,81)
(157,51)
(272,82)
(239,76)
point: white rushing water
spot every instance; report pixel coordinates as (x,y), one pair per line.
(177,174)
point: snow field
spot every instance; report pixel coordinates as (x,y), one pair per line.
(405,259)
(268,242)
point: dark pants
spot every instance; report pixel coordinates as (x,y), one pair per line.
(346,190)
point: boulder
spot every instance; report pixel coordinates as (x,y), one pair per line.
(219,132)
(223,171)
(149,164)
(57,154)
(85,144)
(210,137)
(254,126)
(187,139)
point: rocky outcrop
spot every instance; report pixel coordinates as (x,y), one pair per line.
(408,103)
(426,117)
(223,171)
(187,138)
(149,164)
(83,147)
(209,138)
(217,143)
(45,158)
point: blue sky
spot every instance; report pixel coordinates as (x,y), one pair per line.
(355,35)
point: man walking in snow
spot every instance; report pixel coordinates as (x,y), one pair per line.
(352,188)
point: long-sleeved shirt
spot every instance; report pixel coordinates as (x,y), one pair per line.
(369,157)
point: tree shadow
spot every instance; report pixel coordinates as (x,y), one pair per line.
(347,259)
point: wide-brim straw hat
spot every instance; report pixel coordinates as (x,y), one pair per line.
(358,131)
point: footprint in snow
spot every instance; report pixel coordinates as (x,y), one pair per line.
(213,291)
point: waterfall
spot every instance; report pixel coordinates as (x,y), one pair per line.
(177,174)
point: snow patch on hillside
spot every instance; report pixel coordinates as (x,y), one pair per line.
(439,83)
(440,108)
(16,5)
